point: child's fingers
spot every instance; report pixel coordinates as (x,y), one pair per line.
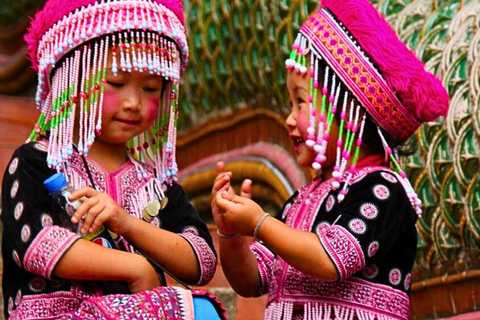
(83,192)
(84,208)
(221,181)
(96,216)
(220,167)
(246,189)
(226,199)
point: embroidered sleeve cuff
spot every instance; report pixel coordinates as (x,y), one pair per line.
(205,256)
(265,259)
(47,248)
(343,249)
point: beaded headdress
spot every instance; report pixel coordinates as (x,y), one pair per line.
(69,43)
(358,52)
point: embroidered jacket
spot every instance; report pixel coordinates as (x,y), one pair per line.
(33,242)
(370,237)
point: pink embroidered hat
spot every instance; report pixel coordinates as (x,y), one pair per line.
(367,56)
(70,44)
(348,44)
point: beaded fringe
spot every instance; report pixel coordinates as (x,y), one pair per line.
(322,311)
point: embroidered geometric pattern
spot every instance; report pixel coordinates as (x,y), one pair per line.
(359,75)
(344,249)
(206,258)
(45,306)
(46,249)
(379,301)
(265,259)
(159,303)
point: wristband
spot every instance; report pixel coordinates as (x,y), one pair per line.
(259,224)
(227,236)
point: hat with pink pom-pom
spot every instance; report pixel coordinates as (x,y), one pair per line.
(349,46)
(70,43)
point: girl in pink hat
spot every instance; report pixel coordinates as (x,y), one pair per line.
(343,245)
(108,82)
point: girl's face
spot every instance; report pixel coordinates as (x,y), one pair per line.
(298,121)
(130,104)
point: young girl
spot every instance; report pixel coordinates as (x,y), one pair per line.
(343,246)
(108,93)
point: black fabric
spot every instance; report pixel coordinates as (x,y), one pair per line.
(393,228)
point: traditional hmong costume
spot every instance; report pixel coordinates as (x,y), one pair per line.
(365,215)
(69,43)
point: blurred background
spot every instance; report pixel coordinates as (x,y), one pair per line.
(233,106)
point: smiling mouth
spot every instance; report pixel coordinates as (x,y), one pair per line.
(297,141)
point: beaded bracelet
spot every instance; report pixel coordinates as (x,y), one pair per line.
(227,236)
(259,224)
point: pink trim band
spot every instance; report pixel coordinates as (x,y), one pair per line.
(206,258)
(46,249)
(351,65)
(344,250)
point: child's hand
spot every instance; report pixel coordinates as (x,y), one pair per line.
(99,208)
(240,213)
(221,183)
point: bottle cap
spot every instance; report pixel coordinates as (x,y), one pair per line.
(55,183)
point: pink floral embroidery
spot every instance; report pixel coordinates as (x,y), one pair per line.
(330,202)
(18,211)
(13,191)
(381,192)
(357,226)
(387,176)
(16,258)
(369,210)
(26,233)
(370,271)
(13,166)
(18,297)
(37,285)
(47,220)
(407,281)
(322,228)
(395,276)
(373,248)
(42,146)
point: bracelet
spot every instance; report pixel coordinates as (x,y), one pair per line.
(259,224)
(227,236)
